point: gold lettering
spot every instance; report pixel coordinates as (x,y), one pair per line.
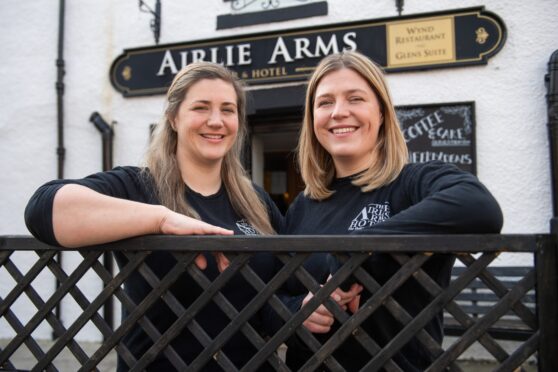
(427,41)
(269,72)
(434,52)
(407,55)
(419,38)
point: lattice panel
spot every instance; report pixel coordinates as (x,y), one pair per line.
(508,301)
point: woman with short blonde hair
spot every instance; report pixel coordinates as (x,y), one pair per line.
(353,159)
(390,154)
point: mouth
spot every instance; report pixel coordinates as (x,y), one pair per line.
(213,136)
(343,130)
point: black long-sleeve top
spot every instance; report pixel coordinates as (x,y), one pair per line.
(431,198)
(131,184)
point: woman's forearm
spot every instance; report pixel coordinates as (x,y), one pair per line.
(83,217)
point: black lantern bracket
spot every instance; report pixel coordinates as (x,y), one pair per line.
(155,23)
(399,4)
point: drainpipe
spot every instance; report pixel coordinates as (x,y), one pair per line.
(548,361)
(60,150)
(552,102)
(106,134)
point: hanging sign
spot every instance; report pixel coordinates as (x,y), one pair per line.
(434,40)
(444,132)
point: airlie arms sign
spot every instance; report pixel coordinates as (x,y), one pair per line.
(424,41)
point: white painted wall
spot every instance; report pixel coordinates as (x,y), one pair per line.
(512,146)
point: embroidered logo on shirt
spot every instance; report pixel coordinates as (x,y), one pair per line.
(370,215)
(246,228)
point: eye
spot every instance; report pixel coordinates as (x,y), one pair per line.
(356,99)
(324,103)
(200,108)
(229,110)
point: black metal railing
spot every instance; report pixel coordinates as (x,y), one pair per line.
(475,252)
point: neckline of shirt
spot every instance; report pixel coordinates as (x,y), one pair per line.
(345,180)
(206,197)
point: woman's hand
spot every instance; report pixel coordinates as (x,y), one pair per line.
(321,320)
(174,223)
(349,299)
(178,224)
(220,258)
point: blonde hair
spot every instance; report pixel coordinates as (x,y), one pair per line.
(162,165)
(390,153)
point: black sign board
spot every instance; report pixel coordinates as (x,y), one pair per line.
(443,132)
(443,39)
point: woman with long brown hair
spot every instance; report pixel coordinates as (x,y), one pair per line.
(192,183)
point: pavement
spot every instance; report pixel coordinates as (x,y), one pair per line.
(477,360)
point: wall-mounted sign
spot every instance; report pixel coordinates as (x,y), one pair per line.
(252,12)
(443,132)
(443,39)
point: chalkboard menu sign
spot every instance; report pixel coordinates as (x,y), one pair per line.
(443,132)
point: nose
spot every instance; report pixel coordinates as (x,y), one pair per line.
(340,110)
(215,119)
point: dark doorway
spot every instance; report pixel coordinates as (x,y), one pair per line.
(282,179)
(273,161)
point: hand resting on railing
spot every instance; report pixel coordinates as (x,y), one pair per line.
(178,224)
(321,320)
(83,217)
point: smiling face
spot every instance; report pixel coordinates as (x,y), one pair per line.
(347,118)
(206,123)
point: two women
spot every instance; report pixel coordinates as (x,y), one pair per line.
(193,174)
(353,160)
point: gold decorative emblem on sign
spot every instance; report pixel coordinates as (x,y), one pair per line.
(482,35)
(417,42)
(127,73)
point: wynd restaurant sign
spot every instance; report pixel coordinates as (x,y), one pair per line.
(434,40)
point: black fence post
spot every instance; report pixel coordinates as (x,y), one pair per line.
(546,262)
(546,258)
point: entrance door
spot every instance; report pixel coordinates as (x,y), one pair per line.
(274,165)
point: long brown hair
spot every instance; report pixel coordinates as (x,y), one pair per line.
(390,154)
(162,165)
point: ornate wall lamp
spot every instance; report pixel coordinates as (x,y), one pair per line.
(399,5)
(156,21)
